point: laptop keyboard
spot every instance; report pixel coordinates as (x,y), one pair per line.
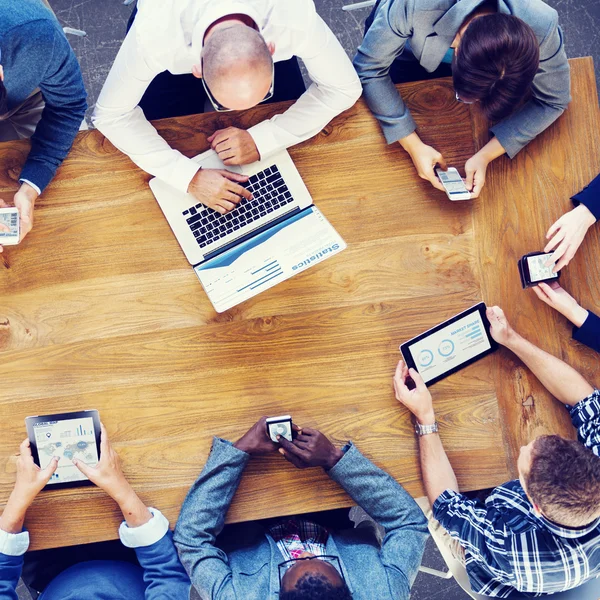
(269,193)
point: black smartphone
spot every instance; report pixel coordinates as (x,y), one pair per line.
(533,269)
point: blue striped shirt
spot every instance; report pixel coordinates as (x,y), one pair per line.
(510,547)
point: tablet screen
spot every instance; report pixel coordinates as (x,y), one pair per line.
(68,439)
(538,271)
(450,346)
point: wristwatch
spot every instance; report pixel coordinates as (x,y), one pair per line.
(421,430)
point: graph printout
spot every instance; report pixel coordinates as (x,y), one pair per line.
(450,347)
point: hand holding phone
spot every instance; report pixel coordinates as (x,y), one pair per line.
(453,184)
(9,226)
(536,268)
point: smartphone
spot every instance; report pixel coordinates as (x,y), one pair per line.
(453,184)
(280,426)
(533,269)
(10,218)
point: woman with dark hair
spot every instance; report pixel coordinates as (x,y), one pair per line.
(505,55)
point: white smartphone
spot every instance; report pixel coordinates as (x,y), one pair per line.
(10,218)
(280,426)
(453,184)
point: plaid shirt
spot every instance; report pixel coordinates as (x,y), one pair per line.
(294,536)
(509,547)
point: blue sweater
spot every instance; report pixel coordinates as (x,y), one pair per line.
(160,577)
(36,54)
(589,332)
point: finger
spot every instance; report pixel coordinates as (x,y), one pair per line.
(554,286)
(224,206)
(309,431)
(84,468)
(223,145)
(442,162)
(240,191)
(212,137)
(296,428)
(4,227)
(470,176)
(3,204)
(25,448)
(217,138)
(292,459)
(541,293)
(557,254)
(50,469)
(435,182)
(478,183)
(559,237)
(291,448)
(567,257)
(231,197)
(104,441)
(553,229)
(234,176)
(302,438)
(417,379)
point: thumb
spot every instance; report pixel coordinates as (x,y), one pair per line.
(442,162)
(50,469)
(470,176)
(3,204)
(234,176)
(83,467)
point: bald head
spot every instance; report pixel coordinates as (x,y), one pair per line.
(237,66)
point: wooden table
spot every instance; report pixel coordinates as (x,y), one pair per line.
(100,309)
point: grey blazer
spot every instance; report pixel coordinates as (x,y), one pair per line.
(431,26)
(246,567)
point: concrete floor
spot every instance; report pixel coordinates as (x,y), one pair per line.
(105,20)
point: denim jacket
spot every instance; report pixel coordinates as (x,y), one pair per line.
(431,26)
(247,568)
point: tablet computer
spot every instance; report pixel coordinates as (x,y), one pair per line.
(66,436)
(451,345)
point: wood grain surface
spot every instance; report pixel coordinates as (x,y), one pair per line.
(100,309)
(522,199)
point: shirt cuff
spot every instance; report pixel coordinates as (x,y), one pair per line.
(35,187)
(590,200)
(440,506)
(147,534)
(180,174)
(589,332)
(586,410)
(264,138)
(14,544)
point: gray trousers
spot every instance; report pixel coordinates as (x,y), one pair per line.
(20,123)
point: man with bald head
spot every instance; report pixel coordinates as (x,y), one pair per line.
(318,556)
(182,56)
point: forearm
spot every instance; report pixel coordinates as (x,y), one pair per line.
(561,380)
(492,150)
(436,470)
(135,512)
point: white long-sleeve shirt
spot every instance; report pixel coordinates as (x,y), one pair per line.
(167,35)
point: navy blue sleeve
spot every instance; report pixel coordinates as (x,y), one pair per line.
(590,196)
(10,571)
(164,575)
(589,332)
(65,98)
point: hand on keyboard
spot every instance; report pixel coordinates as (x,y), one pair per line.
(219,189)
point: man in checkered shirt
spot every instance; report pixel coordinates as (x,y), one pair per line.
(539,534)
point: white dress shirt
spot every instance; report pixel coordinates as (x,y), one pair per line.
(167,35)
(16,544)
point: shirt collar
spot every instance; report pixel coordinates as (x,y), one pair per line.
(450,22)
(567,532)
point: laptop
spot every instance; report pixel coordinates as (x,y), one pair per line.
(262,242)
